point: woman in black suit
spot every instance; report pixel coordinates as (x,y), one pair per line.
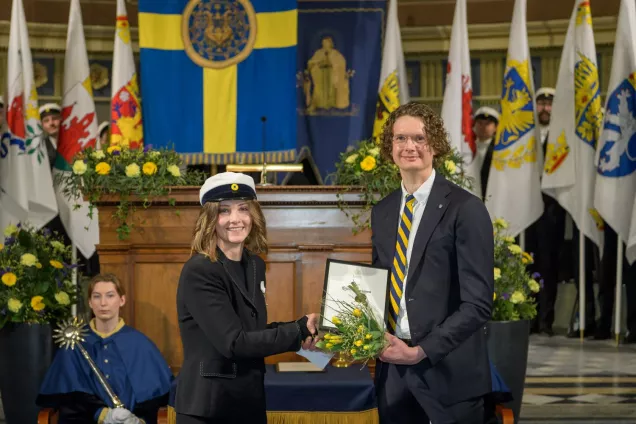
(222,312)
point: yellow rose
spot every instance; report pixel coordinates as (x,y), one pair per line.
(9,279)
(28,259)
(79,167)
(368,337)
(494,296)
(98,154)
(132,170)
(374,152)
(38,265)
(357,313)
(527,258)
(366,347)
(150,168)
(37,303)
(515,248)
(62,298)
(358,343)
(14,305)
(353,351)
(450,166)
(56,264)
(112,149)
(497,273)
(533,285)
(352,158)
(517,297)
(102,168)
(10,230)
(368,163)
(174,170)
(501,223)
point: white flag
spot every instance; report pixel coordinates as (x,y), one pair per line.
(394,88)
(125,116)
(569,171)
(78,130)
(25,174)
(616,154)
(514,190)
(457,109)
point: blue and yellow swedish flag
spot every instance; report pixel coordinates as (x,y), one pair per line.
(218,78)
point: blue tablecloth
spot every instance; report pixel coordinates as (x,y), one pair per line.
(334,390)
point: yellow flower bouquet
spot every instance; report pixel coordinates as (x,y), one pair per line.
(143,172)
(514,286)
(364,167)
(35,277)
(359,334)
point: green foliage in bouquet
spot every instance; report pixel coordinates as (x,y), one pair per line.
(116,170)
(360,334)
(364,167)
(514,286)
(35,275)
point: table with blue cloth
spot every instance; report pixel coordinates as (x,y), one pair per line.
(337,395)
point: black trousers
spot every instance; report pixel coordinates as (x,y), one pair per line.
(544,240)
(607,285)
(404,400)
(591,262)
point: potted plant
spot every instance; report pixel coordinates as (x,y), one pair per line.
(36,291)
(142,172)
(363,168)
(514,307)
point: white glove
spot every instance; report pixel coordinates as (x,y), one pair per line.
(120,416)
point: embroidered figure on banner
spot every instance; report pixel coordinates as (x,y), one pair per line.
(325,82)
(216,33)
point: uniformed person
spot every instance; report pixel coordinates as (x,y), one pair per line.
(486,121)
(222,311)
(544,238)
(103,132)
(50,117)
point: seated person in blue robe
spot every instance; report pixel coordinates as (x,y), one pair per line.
(128,360)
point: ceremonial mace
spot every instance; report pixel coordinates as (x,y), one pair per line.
(71,333)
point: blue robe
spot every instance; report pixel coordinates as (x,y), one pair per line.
(131,364)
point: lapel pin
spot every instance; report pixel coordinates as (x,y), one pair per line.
(263,287)
(440,206)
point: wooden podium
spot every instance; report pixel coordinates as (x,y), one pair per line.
(304,228)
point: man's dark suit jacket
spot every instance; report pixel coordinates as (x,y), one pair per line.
(225,339)
(449,287)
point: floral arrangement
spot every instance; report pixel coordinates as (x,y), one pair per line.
(359,335)
(363,166)
(35,276)
(514,286)
(125,171)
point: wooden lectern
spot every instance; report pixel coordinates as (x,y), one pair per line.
(304,228)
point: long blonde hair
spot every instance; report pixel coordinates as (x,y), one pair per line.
(205,238)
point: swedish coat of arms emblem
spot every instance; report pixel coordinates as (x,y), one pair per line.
(218,33)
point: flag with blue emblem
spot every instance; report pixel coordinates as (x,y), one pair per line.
(514,189)
(338,69)
(569,171)
(616,155)
(218,78)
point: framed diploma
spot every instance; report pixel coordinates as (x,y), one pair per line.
(371,280)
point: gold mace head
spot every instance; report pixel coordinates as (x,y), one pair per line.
(70,332)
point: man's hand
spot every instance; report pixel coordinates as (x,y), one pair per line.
(312,326)
(400,353)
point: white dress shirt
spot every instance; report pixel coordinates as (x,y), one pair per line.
(402,329)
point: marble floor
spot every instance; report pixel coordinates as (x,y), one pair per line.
(585,382)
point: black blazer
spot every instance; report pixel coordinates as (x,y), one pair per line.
(449,288)
(225,339)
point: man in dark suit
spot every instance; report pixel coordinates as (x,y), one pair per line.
(437,238)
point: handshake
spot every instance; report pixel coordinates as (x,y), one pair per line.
(120,416)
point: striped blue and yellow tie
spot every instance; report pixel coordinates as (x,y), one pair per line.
(399,266)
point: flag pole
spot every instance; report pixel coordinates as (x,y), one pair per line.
(582,284)
(74,274)
(619,289)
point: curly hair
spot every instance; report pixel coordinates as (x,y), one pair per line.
(436,135)
(205,238)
